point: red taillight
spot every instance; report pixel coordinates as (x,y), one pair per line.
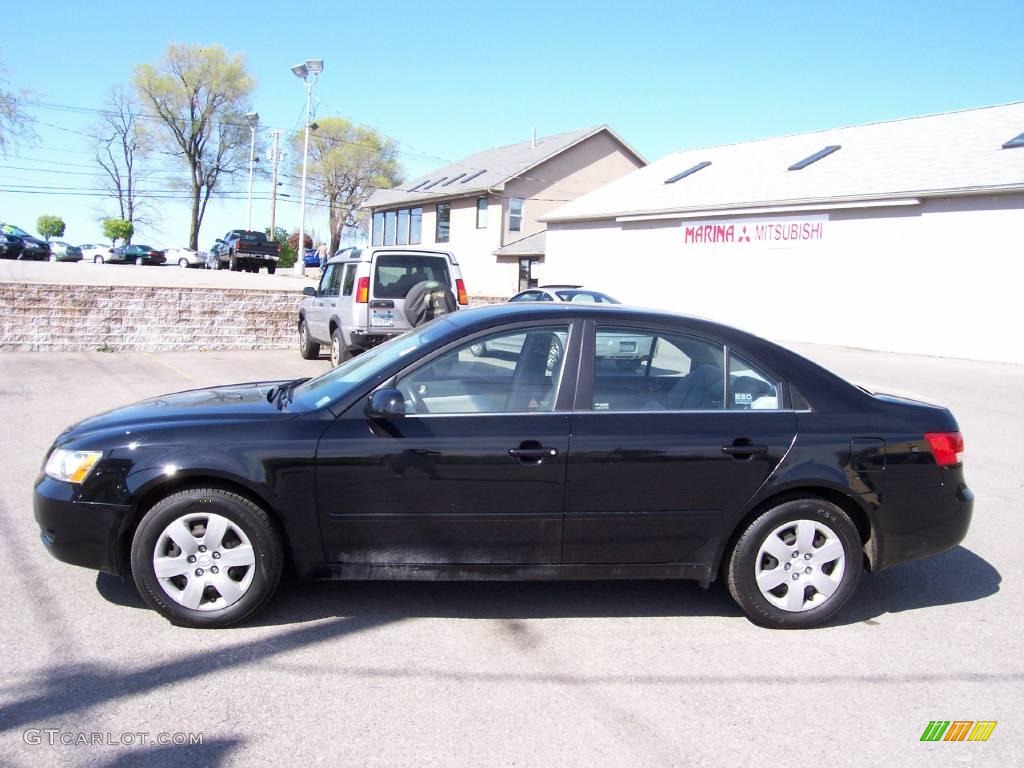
(947,447)
(460,288)
(363,290)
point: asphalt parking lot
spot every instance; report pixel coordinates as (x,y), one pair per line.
(604,674)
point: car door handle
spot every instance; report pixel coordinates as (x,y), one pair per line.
(532,453)
(743,448)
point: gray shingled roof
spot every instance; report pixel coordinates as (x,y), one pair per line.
(489,169)
(531,245)
(950,153)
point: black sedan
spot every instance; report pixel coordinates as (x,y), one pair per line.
(19,244)
(721,456)
(136,254)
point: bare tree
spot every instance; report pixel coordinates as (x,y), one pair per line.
(120,150)
(200,94)
(14,123)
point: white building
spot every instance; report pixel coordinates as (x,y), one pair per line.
(903,236)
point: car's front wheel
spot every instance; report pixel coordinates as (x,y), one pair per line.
(308,348)
(796,564)
(97,259)
(183,262)
(206,558)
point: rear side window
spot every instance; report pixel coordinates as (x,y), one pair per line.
(349,280)
(395,274)
(638,370)
(749,388)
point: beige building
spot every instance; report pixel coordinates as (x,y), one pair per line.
(485,208)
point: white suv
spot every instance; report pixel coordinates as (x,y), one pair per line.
(366,297)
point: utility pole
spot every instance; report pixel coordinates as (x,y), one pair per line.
(273,186)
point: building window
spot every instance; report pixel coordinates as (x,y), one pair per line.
(390,221)
(515,214)
(378,228)
(443,227)
(415,226)
(402,237)
(481,213)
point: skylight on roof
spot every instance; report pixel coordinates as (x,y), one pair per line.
(688,172)
(435,183)
(413,189)
(815,157)
(453,179)
(1016,141)
(473,175)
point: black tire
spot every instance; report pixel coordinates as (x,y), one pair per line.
(183,262)
(216,263)
(340,352)
(233,263)
(308,348)
(97,259)
(743,564)
(271,268)
(139,261)
(251,519)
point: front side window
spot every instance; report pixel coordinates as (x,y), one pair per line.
(330,282)
(509,372)
(749,388)
(481,213)
(515,214)
(443,227)
(378,228)
(640,370)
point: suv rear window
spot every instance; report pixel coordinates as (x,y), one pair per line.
(396,274)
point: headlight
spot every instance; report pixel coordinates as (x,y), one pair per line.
(71,466)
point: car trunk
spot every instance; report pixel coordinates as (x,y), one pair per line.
(392,277)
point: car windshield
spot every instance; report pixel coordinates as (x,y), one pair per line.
(252,237)
(338,382)
(10,229)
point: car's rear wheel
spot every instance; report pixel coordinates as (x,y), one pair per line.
(795,565)
(183,262)
(308,348)
(139,261)
(53,257)
(339,349)
(233,262)
(97,259)
(271,269)
(206,558)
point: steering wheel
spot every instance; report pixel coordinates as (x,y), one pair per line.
(409,392)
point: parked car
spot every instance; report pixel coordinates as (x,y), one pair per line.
(11,246)
(32,248)
(310,258)
(96,252)
(365,297)
(574,293)
(185,257)
(726,457)
(62,251)
(137,254)
(243,250)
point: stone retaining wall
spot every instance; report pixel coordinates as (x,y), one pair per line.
(75,318)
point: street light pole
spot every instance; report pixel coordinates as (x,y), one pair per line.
(308,72)
(273,187)
(253,119)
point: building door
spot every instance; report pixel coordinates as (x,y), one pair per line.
(526,278)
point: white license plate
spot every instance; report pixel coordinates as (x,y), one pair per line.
(379,319)
(627,346)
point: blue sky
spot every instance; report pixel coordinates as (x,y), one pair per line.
(448,79)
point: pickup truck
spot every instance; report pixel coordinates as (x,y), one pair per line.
(242,250)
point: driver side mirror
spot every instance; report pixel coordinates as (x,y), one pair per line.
(386,404)
(309,291)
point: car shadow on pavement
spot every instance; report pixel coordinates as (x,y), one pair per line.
(210,754)
(957,576)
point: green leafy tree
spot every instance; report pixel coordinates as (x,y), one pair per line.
(200,95)
(347,163)
(118,229)
(50,226)
(287,250)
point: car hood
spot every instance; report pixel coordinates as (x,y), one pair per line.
(213,404)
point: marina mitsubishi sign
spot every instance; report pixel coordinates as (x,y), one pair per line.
(774,232)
